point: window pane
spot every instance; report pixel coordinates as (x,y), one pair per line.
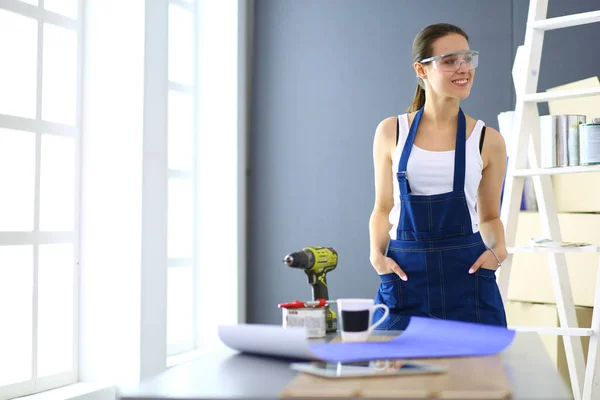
(181,134)
(68,8)
(16,295)
(55,309)
(57,184)
(17,180)
(181,45)
(180,307)
(18,68)
(181,218)
(59,75)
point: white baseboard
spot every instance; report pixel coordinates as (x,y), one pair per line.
(77,391)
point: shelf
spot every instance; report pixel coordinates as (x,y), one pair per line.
(561,94)
(546,330)
(567,21)
(530,249)
(557,171)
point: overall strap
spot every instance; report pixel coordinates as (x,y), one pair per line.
(410,141)
(460,152)
(403,184)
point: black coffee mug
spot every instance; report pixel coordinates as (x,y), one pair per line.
(356,316)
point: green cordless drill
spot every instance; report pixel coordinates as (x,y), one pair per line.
(316,262)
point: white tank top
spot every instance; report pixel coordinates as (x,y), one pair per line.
(432,172)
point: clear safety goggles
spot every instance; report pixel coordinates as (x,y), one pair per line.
(451,62)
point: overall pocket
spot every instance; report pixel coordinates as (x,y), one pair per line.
(409,297)
(389,291)
(436,217)
(458,294)
(490,309)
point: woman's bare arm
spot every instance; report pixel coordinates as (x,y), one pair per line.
(488,203)
(379,225)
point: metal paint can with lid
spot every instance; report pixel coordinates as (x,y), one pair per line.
(312,319)
(559,140)
(589,144)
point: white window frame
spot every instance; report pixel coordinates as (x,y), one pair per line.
(36,238)
(177,349)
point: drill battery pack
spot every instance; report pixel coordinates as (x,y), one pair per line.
(330,320)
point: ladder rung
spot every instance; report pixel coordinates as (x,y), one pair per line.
(557,170)
(567,21)
(539,249)
(547,330)
(561,94)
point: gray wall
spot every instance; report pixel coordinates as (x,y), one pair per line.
(325,72)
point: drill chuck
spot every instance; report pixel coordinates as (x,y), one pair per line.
(299,259)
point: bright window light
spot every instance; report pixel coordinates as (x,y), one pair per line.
(16,301)
(55,309)
(180,218)
(68,8)
(219,112)
(17,180)
(59,75)
(57,184)
(18,68)
(181,131)
(180,300)
(181,45)
(39,137)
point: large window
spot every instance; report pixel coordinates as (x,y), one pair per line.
(40,49)
(181,265)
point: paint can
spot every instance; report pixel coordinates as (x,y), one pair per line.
(311,318)
(589,144)
(559,140)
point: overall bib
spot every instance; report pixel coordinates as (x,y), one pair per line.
(436,246)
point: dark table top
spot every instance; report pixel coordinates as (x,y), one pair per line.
(224,373)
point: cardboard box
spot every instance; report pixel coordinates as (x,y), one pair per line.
(530,274)
(588,106)
(530,314)
(577,192)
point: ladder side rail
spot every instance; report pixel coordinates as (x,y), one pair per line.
(591,387)
(557,263)
(525,76)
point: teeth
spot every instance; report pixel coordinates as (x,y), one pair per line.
(461,81)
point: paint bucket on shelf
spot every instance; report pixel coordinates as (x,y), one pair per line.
(589,143)
(309,317)
(559,140)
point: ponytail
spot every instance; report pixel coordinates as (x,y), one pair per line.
(419,99)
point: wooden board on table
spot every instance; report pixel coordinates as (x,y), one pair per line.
(466,378)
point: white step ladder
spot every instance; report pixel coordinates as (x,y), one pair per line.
(585,380)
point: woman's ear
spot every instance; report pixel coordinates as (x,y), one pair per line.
(420,71)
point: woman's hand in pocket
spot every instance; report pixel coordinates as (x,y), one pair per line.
(486,260)
(385,265)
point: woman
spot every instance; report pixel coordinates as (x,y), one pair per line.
(435,230)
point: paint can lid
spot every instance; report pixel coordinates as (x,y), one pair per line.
(304,304)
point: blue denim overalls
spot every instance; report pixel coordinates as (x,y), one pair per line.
(436,246)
